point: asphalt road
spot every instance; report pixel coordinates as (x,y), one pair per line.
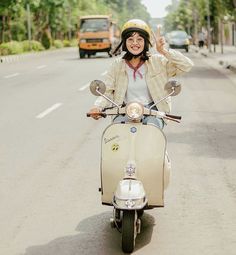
(49,163)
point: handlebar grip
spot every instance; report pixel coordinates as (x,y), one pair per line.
(174,116)
(102,114)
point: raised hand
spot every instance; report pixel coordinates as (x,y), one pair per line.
(160,42)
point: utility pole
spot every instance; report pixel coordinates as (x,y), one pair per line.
(221,36)
(195,17)
(208,26)
(29,24)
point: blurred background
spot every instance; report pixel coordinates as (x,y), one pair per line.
(27,25)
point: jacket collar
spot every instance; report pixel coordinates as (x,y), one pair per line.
(148,64)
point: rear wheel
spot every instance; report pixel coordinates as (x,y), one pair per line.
(128,231)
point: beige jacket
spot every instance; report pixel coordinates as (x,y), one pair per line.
(158,71)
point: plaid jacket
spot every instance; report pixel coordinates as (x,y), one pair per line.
(158,70)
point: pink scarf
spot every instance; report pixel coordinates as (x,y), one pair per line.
(135,69)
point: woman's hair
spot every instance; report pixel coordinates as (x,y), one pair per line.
(128,56)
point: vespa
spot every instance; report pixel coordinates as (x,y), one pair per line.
(134,163)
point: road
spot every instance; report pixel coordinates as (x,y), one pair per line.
(49,163)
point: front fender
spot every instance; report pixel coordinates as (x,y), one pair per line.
(130,194)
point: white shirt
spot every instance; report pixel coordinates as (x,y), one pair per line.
(137,88)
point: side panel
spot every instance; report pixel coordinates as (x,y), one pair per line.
(144,144)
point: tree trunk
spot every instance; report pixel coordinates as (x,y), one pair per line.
(9,28)
(235,3)
(3,29)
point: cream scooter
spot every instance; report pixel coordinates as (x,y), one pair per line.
(134,163)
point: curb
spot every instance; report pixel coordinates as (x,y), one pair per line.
(227,65)
(16,58)
(232,68)
(10,59)
(223,63)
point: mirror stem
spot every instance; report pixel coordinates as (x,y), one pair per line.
(107,98)
(173,91)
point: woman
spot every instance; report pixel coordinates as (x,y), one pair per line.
(139,76)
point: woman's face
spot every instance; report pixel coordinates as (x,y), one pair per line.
(135,44)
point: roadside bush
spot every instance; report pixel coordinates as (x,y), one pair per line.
(58,44)
(12,47)
(32,45)
(74,43)
(66,43)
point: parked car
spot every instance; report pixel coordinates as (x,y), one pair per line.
(178,39)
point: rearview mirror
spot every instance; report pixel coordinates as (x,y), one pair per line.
(97,87)
(173,87)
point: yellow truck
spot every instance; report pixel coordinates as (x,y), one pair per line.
(97,33)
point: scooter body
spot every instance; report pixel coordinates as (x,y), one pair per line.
(133,145)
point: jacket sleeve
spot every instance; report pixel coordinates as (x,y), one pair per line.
(110,87)
(176,63)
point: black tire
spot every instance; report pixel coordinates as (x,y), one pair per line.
(82,54)
(140,213)
(128,231)
(186,49)
(118,218)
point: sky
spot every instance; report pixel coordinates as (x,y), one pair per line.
(156,8)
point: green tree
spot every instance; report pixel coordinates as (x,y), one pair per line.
(58,19)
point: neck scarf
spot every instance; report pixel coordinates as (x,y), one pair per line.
(135,69)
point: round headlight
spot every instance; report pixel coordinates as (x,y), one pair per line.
(134,111)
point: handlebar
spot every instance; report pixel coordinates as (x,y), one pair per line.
(102,114)
(174,116)
(121,111)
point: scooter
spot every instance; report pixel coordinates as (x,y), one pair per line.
(134,164)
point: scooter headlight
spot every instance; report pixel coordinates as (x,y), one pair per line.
(134,111)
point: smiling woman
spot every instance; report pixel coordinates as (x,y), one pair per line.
(138,75)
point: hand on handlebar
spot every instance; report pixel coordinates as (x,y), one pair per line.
(95,113)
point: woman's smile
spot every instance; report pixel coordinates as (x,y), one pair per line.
(135,44)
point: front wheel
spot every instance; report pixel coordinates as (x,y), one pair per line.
(82,53)
(128,231)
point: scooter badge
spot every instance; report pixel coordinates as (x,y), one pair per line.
(133,130)
(115,147)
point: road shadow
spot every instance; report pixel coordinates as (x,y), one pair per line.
(213,140)
(95,237)
(203,72)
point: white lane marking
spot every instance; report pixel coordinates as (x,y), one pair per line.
(49,110)
(11,75)
(104,73)
(40,67)
(84,87)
